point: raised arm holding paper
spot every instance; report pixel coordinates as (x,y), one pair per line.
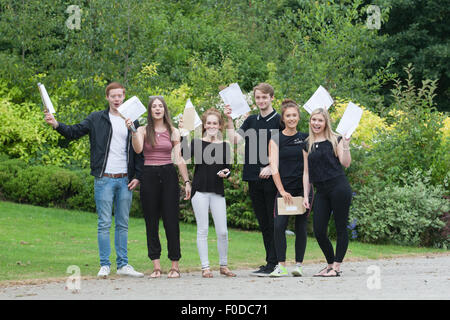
(350,120)
(132,109)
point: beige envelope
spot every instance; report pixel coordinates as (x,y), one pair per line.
(294,209)
(189,119)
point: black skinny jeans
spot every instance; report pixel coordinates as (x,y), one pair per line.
(160,197)
(280,225)
(335,196)
(262,193)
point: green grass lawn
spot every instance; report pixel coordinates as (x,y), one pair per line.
(39,243)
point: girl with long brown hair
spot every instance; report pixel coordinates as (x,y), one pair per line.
(160,191)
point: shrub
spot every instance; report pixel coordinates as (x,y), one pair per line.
(51,186)
(407,215)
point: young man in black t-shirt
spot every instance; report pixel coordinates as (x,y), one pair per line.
(257,131)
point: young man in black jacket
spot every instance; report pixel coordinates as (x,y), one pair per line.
(116,168)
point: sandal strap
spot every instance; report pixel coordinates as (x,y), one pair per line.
(206,273)
(227,272)
(175,270)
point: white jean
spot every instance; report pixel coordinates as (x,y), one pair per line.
(201,203)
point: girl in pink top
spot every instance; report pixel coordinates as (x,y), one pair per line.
(160,191)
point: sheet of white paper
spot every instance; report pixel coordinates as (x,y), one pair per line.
(291,208)
(233,96)
(197,120)
(350,120)
(132,108)
(320,99)
(46,99)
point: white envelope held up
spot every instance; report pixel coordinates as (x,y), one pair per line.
(233,96)
(320,99)
(46,99)
(132,109)
(191,120)
(350,120)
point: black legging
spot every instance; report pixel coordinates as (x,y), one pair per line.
(280,225)
(335,196)
(160,197)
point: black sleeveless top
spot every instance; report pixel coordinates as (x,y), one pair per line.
(322,163)
(290,155)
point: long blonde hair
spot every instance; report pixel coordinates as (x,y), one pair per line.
(329,134)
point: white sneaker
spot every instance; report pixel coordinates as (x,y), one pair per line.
(104,272)
(129,271)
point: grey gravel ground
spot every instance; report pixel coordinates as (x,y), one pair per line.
(402,278)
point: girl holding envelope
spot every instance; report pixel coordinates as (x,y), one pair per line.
(286,163)
(324,155)
(160,192)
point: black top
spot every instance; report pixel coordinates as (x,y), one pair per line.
(257,131)
(290,155)
(322,163)
(209,158)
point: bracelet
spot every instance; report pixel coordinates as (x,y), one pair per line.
(346,149)
(187,181)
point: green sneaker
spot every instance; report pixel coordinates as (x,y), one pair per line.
(298,271)
(279,271)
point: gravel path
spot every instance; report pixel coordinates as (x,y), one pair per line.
(424,277)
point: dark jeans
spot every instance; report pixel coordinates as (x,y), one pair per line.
(280,225)
(262,193)
(160,197)
(335,196)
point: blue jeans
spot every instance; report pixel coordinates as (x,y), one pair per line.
(109,192)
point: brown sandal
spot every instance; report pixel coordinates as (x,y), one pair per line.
(158,273)
(321,272)
(227,272)
(206,273)
(174,271)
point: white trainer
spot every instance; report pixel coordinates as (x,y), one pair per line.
(129,271)
(104,272)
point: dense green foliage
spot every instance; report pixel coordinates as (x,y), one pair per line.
(406,214)
(417,33)
(189,49)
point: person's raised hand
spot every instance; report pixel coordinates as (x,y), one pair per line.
(50,119)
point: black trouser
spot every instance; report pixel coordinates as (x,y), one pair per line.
(335,196)
(280,225)
(262,193)
(160,197)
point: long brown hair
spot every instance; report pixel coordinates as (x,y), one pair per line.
(150,129)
